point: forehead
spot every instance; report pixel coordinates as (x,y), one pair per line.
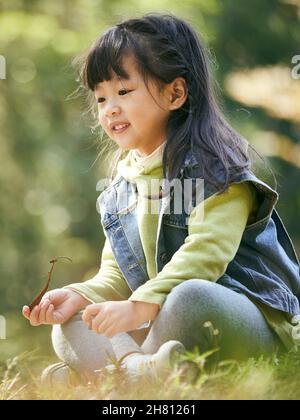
(130,66)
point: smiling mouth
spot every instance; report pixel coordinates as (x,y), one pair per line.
(120,130)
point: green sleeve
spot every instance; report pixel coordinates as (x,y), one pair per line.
(214,235)
(108,284)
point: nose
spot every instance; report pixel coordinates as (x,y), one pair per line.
(112,110)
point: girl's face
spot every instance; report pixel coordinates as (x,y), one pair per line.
(129,101)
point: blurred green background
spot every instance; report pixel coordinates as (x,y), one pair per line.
(47,148)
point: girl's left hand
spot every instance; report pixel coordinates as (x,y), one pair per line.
(111,318)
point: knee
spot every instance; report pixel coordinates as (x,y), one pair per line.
(82,349)
(64,335)
(196,299)
(189,309)
(68,328)
(202,292)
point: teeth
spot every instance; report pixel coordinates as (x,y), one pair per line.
(118,127)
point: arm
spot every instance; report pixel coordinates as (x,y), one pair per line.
(107,285)
(211,244)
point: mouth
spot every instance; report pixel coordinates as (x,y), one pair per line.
(121,128)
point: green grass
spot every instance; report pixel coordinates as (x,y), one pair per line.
(273,378)
(27,351)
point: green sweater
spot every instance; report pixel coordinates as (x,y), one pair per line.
(211,244)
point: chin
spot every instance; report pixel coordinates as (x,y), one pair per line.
(127,145)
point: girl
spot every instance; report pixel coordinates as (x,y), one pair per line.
(219,274)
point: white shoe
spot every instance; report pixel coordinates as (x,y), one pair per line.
(59,374)
(155,366)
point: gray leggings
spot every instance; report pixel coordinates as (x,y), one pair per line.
(196,312)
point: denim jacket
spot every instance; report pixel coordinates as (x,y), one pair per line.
(265,267)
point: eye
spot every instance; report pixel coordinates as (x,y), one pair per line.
(124,91)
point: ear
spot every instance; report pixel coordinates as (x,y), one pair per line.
(177,93)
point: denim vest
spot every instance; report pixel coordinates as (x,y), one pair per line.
(265,267)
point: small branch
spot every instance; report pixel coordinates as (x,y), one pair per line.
(37,300)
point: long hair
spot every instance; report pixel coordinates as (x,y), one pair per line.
(166,47)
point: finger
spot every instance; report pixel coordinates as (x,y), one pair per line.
(44,307)
(49,314)
(96,322)
(45,297)
(86,319)
(90,312)
(34,316)
(52,295)
(103,328)
(26,311)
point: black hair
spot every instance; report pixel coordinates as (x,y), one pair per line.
(165,47)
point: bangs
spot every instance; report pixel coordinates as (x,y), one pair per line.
(105,57)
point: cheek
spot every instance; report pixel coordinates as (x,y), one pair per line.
(100,118)
(140,115)
(101,121)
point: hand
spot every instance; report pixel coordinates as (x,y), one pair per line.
(56,307)
(111,318)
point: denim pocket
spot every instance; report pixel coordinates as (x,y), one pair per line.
(175,220)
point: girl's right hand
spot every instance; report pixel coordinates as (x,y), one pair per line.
(56,307)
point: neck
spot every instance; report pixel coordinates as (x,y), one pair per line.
(143,153)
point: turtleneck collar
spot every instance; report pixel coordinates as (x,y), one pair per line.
(134,165)
(144,160)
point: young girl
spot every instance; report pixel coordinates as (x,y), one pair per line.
(221,274)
